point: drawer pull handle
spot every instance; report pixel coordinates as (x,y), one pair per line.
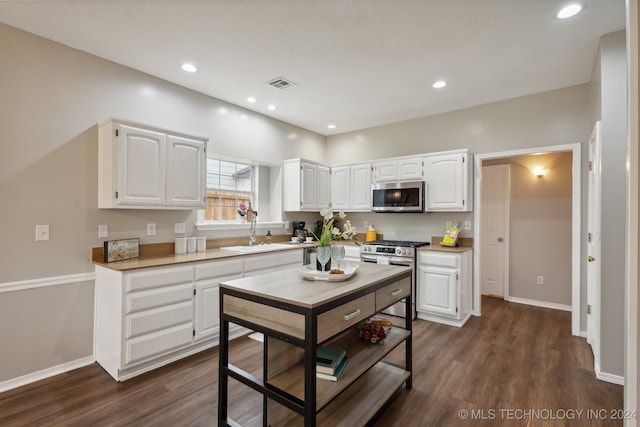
(396,292)
(351,315)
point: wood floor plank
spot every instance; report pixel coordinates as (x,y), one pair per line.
(513,358)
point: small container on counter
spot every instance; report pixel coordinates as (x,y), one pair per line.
(181,245)
(191,244)
(201,244)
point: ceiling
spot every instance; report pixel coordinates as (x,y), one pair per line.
(355,63)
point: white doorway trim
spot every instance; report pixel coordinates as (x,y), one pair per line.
(575,222)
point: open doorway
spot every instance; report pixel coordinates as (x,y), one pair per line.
(542,205)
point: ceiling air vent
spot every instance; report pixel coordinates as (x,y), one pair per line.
(281,83)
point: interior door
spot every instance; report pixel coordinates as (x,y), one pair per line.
(593,245)
(494,273)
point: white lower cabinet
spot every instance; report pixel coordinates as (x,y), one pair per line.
(207,301)
(444,287)
(148,317)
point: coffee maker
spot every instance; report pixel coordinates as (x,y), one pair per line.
(299,230)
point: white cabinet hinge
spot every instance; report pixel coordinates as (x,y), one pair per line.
(117,132)
(588,237)
(194,332)
(116,194)
(590,165)
(588,308)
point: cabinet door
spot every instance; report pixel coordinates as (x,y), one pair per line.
(308,186)
(437,291)
(186,163)
(323,187)
(340,187)
(410,169)
(141,167)
(361,187)
(207,316)
(386,171)
(446,182)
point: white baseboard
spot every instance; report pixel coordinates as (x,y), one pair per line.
(45,373)
(610,378)
(544,304)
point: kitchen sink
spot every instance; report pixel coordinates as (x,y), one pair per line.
(257,247)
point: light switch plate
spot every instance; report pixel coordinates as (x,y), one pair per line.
(179,228)
(103,231)
(467,225)
(42,232)
(151,229)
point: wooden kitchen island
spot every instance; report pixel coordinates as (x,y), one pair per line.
(296,316)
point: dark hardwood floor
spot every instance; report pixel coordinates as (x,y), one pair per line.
(515,366)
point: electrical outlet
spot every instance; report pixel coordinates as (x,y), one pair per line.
(103,231)
(365,224)
(42,232)
(179,228)
(151,229)
(467,225)
(540,280)
(287,226)
(448,224)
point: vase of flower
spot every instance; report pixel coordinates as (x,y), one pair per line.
(331,231)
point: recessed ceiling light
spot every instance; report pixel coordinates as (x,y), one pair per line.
(189,68)
(332,126)
(251,99)
(569,11)
(439,84)
(271,107)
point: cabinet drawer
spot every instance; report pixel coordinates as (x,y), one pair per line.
(392,293)
(159,318)
(152,298)
(139,349)
(340,318)
(158,277)
(218,269)
(260,262)
(439,258)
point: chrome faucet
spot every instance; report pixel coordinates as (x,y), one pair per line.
(252,230)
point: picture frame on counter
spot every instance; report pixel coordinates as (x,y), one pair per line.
(121,249)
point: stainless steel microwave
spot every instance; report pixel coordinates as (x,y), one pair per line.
(400,196)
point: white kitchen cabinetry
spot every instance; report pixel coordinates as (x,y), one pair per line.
(398,169)
(148,317)
(448,181)
(306,185)
(141,167)
(266,263)
(444,287)
(351,187)
(208,276)
(143,318)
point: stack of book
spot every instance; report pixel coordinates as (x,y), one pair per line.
(330,362)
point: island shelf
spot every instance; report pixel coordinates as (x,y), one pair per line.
(296,316)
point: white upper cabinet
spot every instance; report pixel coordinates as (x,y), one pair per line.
(306,186)
(186,167)
(351,187)
(448,182)
(141,167)
(398,169)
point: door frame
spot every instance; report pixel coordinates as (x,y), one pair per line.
(576,224)
(594,231)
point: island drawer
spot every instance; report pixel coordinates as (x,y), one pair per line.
(340,318)
(392,293)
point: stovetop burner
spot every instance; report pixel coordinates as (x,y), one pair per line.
(398,243)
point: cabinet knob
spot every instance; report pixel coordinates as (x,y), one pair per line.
(500,239)
(591,259)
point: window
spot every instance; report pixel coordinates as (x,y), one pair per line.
(229,186)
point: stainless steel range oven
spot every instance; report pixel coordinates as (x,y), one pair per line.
(395,252)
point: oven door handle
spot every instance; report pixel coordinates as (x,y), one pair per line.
(392,260)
